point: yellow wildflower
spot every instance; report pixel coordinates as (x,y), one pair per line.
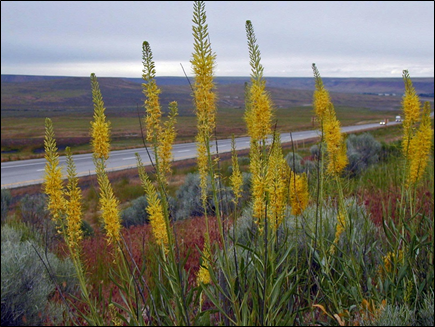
(299,195)
(322,99)
(162,135)
(167,139)
(157,220)
(258,184)
(341,226)
(53,185)
(411,109)
(74,207)
(258,117)
(203,63)
(154,209)
(419,148)
(100,128)
(335,143)
(100,142)
(259,113)
(109,205)
(391,260)
(276,184)
(151,91)
(203,276)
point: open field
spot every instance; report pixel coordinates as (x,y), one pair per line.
(27,100)
(24,137)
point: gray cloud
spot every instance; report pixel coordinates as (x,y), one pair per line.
(344,38)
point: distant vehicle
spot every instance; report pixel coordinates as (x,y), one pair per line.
(398,118)
(382,122)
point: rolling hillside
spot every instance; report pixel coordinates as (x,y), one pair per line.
(32,95)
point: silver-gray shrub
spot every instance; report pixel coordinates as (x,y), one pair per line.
(188,198)
(403,315)
(34,213)
(136,213)
(187,202)
(361,236)
(362,151)
(294,160)
(298,164)
(26,284)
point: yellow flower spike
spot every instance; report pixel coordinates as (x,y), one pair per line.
(74,212)
(100,140)
(335,143)
(151,91)
(154,209)
(259,114)
(162,135)
(53,185)
(411,109)
(299,195)
(276,184)
(334,139)
(258,117)
(203,276)
(341,226)
(109,205)
(167,139)
(419,148)
(258,184)
(322,100)
(203,64)
(100,128)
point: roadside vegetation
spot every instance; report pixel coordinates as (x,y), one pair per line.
(333,232)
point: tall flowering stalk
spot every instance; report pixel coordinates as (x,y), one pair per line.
(276,184)
(53,185)
(155,210)
(335,145)
(416,142)
(204,95)
(203,64)
(334,139)
(411,107)
(162,135)
(258,117)
(299,195)
(340,228)
(419,148)
(73,208)
(66,210)
(100,133)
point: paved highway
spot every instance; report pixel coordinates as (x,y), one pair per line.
(27,172)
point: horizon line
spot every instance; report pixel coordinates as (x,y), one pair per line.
(217,76)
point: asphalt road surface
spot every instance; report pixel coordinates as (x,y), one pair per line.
(27,172)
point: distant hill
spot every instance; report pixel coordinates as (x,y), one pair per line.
(28,95)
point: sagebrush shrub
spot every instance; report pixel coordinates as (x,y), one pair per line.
(188,198)
(34,213)
(25,284)
(363,151)
(136,213)
(294,160)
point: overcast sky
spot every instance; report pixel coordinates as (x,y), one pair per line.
(343,38)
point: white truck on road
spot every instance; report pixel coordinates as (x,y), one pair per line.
(398,118)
